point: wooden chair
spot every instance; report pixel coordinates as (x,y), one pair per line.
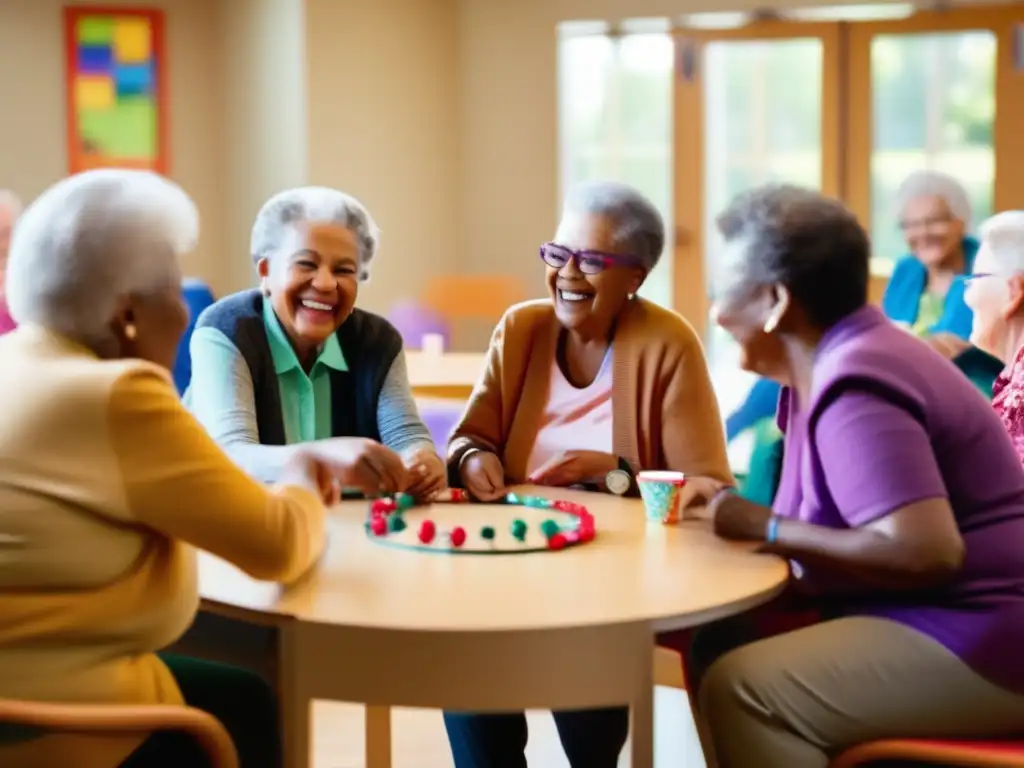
(964,754)
(32,719)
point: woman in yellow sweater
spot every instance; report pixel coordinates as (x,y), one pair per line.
(108,486)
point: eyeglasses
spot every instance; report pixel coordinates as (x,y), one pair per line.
(968,279)
(929,222)
(589,262)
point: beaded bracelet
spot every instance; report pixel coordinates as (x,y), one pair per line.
(387,516)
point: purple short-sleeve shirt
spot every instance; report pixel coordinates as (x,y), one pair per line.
(869,444)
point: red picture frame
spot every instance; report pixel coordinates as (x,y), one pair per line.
(116,88)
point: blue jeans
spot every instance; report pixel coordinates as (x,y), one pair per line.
(591,738)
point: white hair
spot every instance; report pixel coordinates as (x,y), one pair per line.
(1003,237)
(93,239)
(313,204)
(10,201)
(928,183)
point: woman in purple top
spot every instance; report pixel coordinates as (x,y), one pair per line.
(901,509)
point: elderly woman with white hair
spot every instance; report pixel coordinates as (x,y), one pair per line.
(294,362)
(995,292)
(108,485)
(585,388)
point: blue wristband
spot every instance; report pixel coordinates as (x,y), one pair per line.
(772,533)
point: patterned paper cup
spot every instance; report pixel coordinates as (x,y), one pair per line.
(665,495)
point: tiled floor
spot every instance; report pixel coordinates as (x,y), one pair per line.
(419,739)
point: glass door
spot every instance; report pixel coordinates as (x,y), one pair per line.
(754,105)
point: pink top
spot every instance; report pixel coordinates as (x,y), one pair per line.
(574,418)
(6,321)
(1008,400)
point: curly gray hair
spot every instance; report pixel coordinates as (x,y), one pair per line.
(313,204)
(637,226)
(799,238)
(91,240)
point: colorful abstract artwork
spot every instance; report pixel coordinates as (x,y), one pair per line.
(115,89)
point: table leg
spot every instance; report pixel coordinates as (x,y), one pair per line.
(378,737)
(295,702)
(642,737)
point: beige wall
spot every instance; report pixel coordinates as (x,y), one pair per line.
(32,139)
(439,114)
(263,137)
(383,125)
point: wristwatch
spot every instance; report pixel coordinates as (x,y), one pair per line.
(620,479)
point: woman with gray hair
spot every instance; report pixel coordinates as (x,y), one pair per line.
(295,362)
(995,292)
(926,291)
(901,509)
(586,388)
(108,485)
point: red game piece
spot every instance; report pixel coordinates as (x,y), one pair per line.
(427,531)
(379,526)
(557,541)
(458,536)
(382,506)
(569,506)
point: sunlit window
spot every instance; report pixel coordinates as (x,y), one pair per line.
(615,119)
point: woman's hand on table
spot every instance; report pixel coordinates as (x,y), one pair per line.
(482,475)
(574,467)
(737,519)
(427,474)
(355,462)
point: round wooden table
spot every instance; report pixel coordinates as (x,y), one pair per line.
(552,630)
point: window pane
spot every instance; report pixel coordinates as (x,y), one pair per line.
(934,107)
(615,123)
(762,124)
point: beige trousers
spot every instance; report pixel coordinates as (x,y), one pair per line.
(795,700)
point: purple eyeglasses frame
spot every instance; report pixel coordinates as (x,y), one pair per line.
(607,259)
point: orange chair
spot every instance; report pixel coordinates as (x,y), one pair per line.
(35,718)
(477,297)
(965,754)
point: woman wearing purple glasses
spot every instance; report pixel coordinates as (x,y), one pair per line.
(585,388)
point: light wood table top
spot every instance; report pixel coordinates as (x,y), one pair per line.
(393,627)
(452,374)
(633,571)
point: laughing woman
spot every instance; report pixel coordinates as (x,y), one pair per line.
(303,363)
(584,389)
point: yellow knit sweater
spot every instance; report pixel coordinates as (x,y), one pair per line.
(107,488)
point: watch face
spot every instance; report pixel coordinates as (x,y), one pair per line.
(617,481)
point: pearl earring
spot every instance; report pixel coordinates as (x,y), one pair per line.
(130,332)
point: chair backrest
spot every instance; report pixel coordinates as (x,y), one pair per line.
(198,297)
(32,719)
(484,297)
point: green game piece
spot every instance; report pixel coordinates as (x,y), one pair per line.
(396,523)
(519,530)
(404,501)
(487,532)
(549,528)
(513,498)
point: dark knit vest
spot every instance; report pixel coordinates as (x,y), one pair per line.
(370,345)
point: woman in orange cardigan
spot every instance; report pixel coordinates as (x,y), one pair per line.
(585,388)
